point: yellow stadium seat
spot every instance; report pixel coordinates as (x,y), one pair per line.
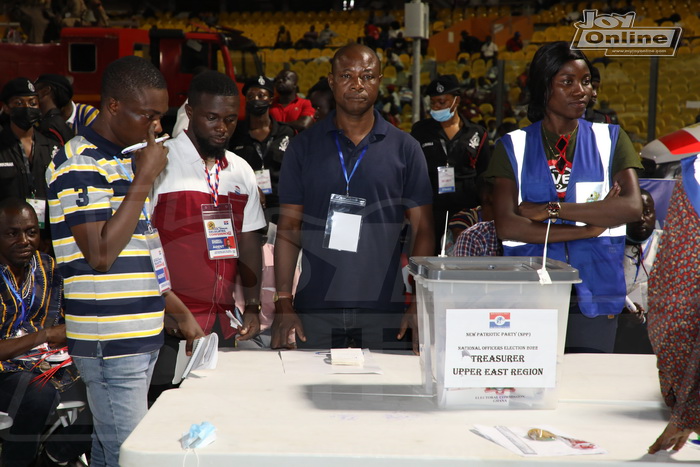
(390,74)
(463,56)
(486,109)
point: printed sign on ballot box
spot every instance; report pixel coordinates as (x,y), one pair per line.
(501,348)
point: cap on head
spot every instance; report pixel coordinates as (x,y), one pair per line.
(260,81)
(443,84)
(63,90)
(17,87)
(58,81)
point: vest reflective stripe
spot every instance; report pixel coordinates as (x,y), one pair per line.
(518,139)
(599,259)
(606,151)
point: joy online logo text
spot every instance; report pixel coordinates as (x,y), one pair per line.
(617,35)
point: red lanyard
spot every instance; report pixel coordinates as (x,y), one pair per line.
(213,188)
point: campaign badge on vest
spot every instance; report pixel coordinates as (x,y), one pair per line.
(39,206)
(588,192)
(219,231)
(446,179)
(262,177)
(160,266)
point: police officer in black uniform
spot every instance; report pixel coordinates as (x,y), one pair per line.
(456,150)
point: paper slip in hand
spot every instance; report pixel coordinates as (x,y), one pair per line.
(349,356)
(204,357)
(515,439)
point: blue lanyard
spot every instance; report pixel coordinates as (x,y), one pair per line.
(131,179)
(342,164)
(19,299)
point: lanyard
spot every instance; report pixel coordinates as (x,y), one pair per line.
(214,189)
(131,179)
(444,148)
(258,149)
(18,298)
(640,257)
(342,164)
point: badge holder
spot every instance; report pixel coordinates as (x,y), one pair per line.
(39,206)
(264,181)
(343,223)
(160,266)
(219,231)
(446,179)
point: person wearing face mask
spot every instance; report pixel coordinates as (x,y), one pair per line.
(24,152)
(262,141)
(456,151)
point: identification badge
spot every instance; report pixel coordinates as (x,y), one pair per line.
(446,179)
(160,266)
(344,223)
(264,180)
(39,206)
(219,231)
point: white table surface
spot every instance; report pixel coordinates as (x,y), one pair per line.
(267,416)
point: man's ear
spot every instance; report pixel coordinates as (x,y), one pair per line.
(188,111)
(113,105)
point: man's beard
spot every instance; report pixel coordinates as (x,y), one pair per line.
(208,150)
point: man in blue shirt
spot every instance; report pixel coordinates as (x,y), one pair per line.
(346,187)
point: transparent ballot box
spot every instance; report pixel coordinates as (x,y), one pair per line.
(491,335)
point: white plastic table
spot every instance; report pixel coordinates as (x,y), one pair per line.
(269,414)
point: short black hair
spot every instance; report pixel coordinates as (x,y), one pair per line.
(213,83)
(127,76)
(546,63)
(15,203)
(343,50)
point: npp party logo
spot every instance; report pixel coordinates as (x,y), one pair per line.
(617,35)
(499,320)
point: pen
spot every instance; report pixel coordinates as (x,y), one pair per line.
(137,146)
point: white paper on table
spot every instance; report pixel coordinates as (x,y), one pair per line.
(532,448)
(319,363)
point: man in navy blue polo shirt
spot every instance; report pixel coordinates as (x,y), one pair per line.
(346,187)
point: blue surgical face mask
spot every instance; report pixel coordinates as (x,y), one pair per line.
(443,115)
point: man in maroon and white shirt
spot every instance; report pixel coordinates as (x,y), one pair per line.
(203,191)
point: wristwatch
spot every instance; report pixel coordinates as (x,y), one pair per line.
(553,209)
(254,302)
(282,296)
